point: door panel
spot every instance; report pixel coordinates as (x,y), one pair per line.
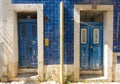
(27,43)
(33,43)
(84,47)
(84,58)
(23,40)
(97,43)
(91,52)
(23,59)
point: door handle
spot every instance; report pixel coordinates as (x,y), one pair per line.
(91,47)
(25,57)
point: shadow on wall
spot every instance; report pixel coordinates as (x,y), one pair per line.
(1,58)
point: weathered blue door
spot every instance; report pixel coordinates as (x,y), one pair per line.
(27,33)
(91,45)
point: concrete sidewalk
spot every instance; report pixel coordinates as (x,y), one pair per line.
(53,82)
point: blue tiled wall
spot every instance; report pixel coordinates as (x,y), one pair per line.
(51,27)
(116,37)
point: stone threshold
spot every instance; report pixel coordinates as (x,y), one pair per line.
(27,70)
(94,79)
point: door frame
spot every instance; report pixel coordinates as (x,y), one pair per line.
(107,42)
(12,34)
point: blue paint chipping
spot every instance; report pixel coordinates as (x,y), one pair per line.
(51,27)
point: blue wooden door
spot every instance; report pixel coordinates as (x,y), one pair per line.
(91,45)
(27,33)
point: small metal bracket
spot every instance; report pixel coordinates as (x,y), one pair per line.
(46,18)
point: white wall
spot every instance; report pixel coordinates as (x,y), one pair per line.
(1,43)
(1,59)
(1,20)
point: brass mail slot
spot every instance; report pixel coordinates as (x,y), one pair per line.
(46,41)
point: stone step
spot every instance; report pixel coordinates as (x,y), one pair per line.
(25,76)
(53,82)
(25,70)
(4,78)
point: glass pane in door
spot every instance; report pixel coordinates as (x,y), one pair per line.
(83,36)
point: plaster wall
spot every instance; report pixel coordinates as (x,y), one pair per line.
(116,67)
(1,39)
(52,72)
(1,59)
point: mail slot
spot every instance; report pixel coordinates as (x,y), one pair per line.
(47,42)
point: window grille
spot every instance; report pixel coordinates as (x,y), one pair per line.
(27,15)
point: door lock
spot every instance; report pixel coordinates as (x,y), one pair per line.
(30,48)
